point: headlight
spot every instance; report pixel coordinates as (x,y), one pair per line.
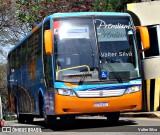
(133,89)
(65,92)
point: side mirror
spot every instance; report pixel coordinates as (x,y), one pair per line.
(48,41)
(144,37)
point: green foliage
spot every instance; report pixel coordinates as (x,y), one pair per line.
(3,87)
(29,11)
(34,11)
(5,10)
(9,117)
(110,5)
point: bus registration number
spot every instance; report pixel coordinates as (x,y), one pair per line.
(100,104)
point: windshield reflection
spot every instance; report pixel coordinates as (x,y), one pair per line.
(77,52)
(75,49)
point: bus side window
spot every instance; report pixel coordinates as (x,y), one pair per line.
(39,42)
(10,64)
(47,61)
(30,48)
(16,59)
(34,46)
(24,53)
(13,62)
(19,57)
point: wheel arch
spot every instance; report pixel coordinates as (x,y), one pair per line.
(41,101)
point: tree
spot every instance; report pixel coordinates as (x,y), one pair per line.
(7,36)
(11,31)
(30,12)
(3,89)
(35,11)
(6,15)
(110,5)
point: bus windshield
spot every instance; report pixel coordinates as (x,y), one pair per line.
(97,49)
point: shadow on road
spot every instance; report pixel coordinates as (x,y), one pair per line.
(86,125)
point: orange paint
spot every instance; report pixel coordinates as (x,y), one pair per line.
(75,105)
(69,85)
(144,36)
(32,70)
(34,29)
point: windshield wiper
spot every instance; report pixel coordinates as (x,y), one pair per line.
(83,78)
(115,73)
(119,79)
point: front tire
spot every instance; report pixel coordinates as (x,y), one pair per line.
(69,117)
(113,117)
(49,120)
(29,119)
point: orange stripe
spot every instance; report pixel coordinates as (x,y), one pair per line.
(71,85)
(34,29)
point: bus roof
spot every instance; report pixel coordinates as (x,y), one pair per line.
(72,14)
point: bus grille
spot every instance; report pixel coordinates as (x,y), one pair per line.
(101,93)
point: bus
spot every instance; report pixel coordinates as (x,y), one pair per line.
(72,64)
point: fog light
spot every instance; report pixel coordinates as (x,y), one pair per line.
(133,106)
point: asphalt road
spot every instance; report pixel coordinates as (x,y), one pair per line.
(92,125)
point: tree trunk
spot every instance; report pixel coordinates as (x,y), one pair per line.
(1,114)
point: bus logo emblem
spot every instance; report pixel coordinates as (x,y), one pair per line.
(101,93)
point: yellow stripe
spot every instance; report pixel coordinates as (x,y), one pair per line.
(88,68)
(148,93)
(156,94)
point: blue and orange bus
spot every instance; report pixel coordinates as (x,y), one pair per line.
(73,64)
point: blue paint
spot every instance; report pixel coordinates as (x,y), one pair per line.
(96,86)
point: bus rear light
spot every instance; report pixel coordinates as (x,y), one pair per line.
(65,92)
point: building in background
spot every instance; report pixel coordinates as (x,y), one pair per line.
(146,13)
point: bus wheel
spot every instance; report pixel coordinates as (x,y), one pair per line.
(29,119)
(20,118)
(49,120)
(113,117)
(71,117)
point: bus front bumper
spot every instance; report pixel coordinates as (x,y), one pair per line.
(74,105)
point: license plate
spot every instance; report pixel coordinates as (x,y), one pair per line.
(100,104)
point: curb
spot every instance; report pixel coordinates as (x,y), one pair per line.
(141,114)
